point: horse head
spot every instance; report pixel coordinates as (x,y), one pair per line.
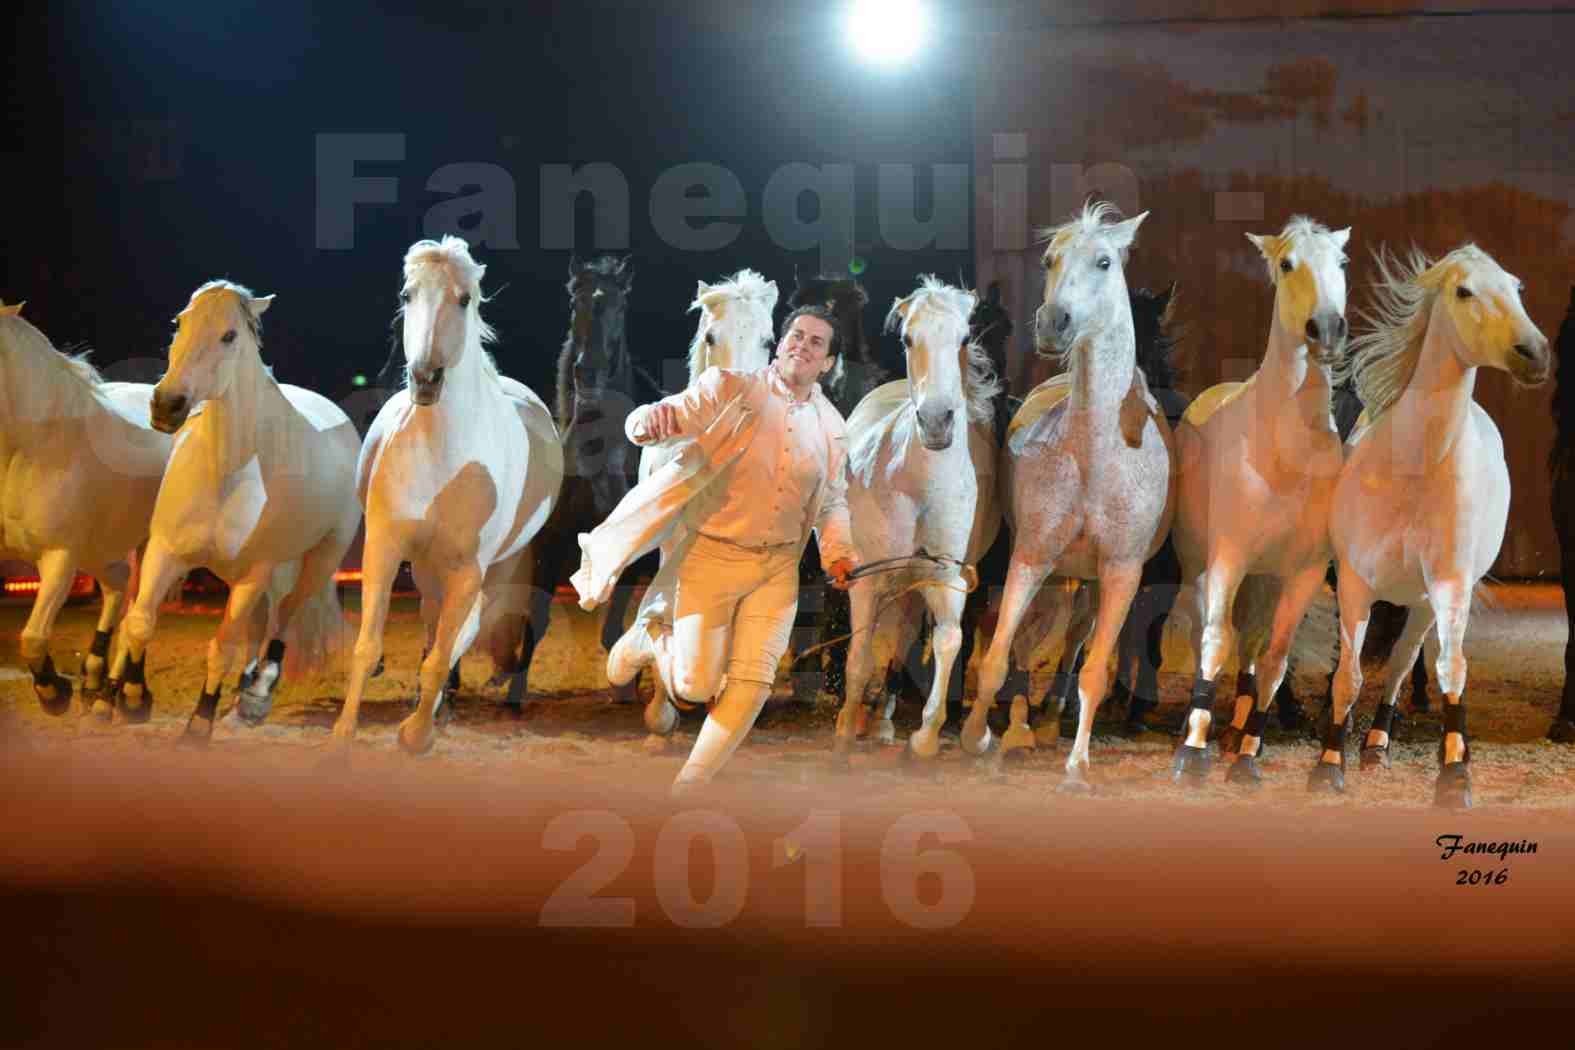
(1306,262)
(1480,301)
(1085,284)
(735,324)
(219,331)
(441,313)
(595,354)
(933,325)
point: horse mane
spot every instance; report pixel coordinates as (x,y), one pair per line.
(606,266)
(979,381)
(1563,405)
(1383,358)
(746,285)
(1088,222)
(70,370)
(241,292)
(451,256)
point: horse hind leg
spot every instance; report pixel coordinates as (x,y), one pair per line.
(1294,596)
(113,580)
(1216,640)
(1023,581)
(1375,748)
(230,636)
(863,599)
(1356,601)
(56,570)
(133,699)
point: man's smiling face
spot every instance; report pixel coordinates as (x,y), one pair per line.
(804,354)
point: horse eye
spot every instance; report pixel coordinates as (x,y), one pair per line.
(1344,263)
(1462,292)
(710,339)
(907,341)
(766,342)
(228,337)
(1285,266)
(1104,262)
(464,300)
(404,295)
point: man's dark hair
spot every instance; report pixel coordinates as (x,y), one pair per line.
(822,313)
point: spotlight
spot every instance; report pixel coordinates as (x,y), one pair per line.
(887,32)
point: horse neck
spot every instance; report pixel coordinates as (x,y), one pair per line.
(1289,384)
(1103,374)
(1435,406)
(237,420)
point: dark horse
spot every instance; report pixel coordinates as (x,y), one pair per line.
(1562,466)
(595,395)
(823,611)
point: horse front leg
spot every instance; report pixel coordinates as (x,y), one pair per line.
(946,609)
(1403,657)
(1451,602)
(113,580)
(159,569)
(1356,604)
(56,570)
(1216,640)
(379,566)
(1295,596)
(1023,580)
(230,636)
(457,622)
(1117,585)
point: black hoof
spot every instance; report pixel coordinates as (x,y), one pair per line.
(1244,772)
(1190,764)
(1375,758)
(133,713)
(1453,789)
(54,695)
(1562,731)
(1326,778)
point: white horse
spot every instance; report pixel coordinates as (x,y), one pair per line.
(259,489)
(921,474)
(1259,461)
(1088,472)
(81,471)
(458,472)
(1423,499)
(734,333)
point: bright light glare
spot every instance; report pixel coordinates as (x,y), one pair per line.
(887,32)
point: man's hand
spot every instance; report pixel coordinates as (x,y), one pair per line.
(661,423)
(839,571)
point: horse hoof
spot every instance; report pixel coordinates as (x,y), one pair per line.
(57,700)
(412,745)
(1190,764)
(104,706)
(656,744)
(1018,738)
(976,745)
(1075,784)
(1453,789)
(885,732)
(1244,772)
(1326,779)
(133,713)
(924,745)
(198,732)
(1375,758)
(1562,731)
(1230,740)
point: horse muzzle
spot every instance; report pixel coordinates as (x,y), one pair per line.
(167,414)
(1326,338)
(936,430)
(426,387)
(1530,363)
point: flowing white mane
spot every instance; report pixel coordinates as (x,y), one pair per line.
(746,287)
(1384,357)
(449,260)
(1296,230)
(62,371)
(980,383)
(1090,222)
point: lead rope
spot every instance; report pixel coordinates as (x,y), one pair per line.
(970,580)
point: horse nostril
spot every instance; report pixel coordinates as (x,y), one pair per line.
(1313,335)
(1062,320)
(1525,351)
(175,404)
(1339,327)
(947,417)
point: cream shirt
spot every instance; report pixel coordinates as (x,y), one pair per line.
(767,497)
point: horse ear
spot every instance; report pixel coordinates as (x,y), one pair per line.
(700,289)
(1266,243)
(1123,233)
(260,305)
(14,310)
(1341,237)
(625,273)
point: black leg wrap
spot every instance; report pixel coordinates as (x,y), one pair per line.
(208,705)
(1203,692)
(100,646)
(133,673)
(1246,684)
(133,676)
(276,651)
(1455,722)
(1455,718)
(199,727)
(1334,739)
(53,691)
(1384,720)
(1256,722)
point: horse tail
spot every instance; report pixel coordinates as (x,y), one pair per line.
(318,635)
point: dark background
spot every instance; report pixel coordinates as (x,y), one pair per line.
(165,144)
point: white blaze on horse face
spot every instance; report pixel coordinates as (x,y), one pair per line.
(1085,286)
(934,341)
(216,327)
(436,318)
(1309,282)
(1483,307)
